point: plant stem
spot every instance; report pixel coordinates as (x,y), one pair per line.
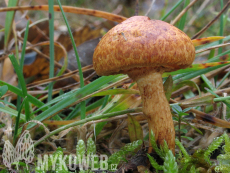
(108,115)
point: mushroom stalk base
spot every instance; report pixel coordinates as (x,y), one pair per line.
(155,106)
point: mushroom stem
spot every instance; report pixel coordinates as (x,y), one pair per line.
(155,106)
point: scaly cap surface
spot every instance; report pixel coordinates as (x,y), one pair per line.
(140,42)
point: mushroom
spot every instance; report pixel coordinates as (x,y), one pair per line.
(145,49)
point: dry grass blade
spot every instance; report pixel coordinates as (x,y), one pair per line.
(204,4)
(183,12)
(205,40)
(44,55)
(137,8)
(197,80)
(90,95)
(150,7)
(207,118)
(211,22)
(213,47)
(70,9)
(64,76)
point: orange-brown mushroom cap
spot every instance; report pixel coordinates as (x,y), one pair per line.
(140,42)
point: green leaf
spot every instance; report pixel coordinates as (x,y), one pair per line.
(192,126)
(3,90)
(184,130)
(186,109)
(177,109)
(135,129)
(168,87)
(117,91)
(189,138)
(198,101)
(118,103)
(184,83)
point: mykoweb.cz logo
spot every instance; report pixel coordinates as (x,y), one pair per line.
(72,162)
(24,151)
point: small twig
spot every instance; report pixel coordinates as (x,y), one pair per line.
(137,6)
(150,7)
(213,47)
(183,12)
(211,22)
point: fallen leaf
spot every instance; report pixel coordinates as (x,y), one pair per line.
(135,130)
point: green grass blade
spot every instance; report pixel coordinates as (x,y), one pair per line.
(22,82)
(8,21)
(187,76)
(24,46)
(77,58)
(225,102)
(211,54)
(3,90)
(102,116)
(223,79)
(80,93)
(17,121)
(188,83)
(117,91)
(51,36)
(183,18)
(221,26)
(92,106)
(106,99)
(55,100)
(172,10)
(196,67)
(207,82)
(27,107)
(10,111)
(220,99)
(77,110)
(18,92)
(216,58)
